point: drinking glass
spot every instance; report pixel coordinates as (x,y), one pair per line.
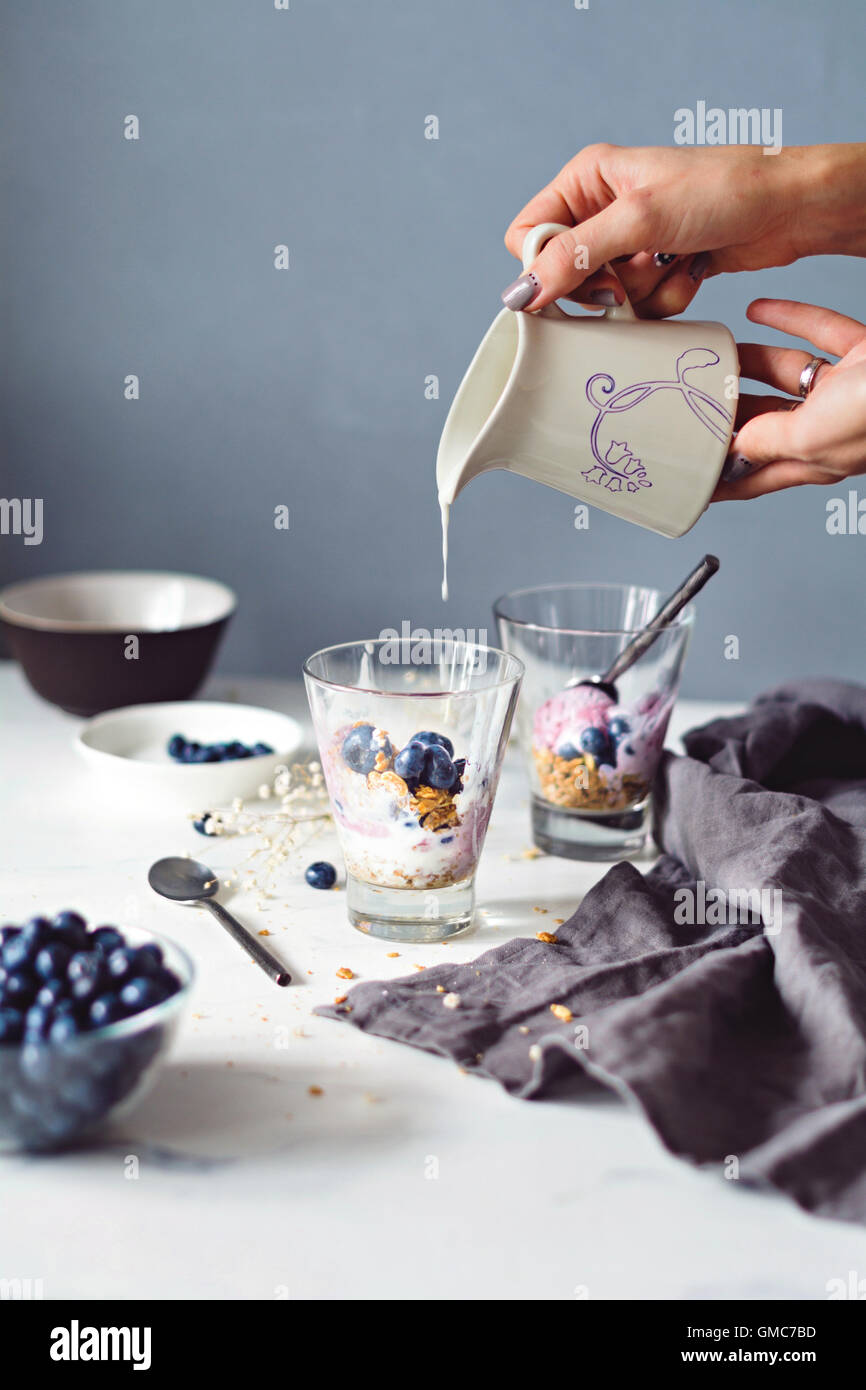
(411,736)
(591,758)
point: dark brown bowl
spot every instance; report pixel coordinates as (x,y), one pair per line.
(96,641)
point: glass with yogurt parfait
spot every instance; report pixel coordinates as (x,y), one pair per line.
(592,753)
(411,737)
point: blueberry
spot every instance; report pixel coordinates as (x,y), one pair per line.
(568,752)
(619,727)
(260,749)
(107,1008)
(148,959)
(106,939)
(83,964)
(235,749)
(141,993)
(7,933)
(37,1021)
(459,769)
(359,751)
(17,953)
(19,988)
(595,742)
(121,963)
(71,928)
(166,980)
(51,993)
(321,875)
(36,932)
(87,987)
(176,746)
(52,961)
(11,1025)
(438,767)
(409,763)
(428,738)
(204,825)
(69,920)
(64,1028)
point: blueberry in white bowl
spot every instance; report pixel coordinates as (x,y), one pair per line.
(188,750)
(189,753)
(85,1015)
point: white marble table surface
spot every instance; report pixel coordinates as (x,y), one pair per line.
(249,1187)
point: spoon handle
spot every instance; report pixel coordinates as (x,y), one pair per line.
(260,954)
(677,601)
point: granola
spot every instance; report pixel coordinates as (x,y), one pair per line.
(405,817)
(593,754)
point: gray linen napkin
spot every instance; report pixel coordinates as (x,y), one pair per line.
(724,992)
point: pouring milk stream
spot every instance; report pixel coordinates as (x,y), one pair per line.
(631,415)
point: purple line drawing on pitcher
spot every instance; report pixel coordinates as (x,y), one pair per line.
(619,468)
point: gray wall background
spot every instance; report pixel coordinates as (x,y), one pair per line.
(306,387)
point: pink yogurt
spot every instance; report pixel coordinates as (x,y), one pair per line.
(577,707)
(562,719)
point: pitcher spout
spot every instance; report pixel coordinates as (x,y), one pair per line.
(462,454)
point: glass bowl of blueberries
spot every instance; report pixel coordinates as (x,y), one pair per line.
(86,1014)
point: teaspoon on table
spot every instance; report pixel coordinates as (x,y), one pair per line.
(187,881)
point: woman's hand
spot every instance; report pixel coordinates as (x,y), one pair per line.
(727,208)
(819,440)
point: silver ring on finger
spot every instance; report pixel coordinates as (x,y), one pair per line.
(808,374)
(663,258)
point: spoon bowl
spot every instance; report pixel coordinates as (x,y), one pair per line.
(188,881)
(182,880)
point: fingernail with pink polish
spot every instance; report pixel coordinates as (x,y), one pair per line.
(606,297)
(521,292)
(737,466)
(698,267)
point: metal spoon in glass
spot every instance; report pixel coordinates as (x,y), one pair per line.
(187,881)
(645,638)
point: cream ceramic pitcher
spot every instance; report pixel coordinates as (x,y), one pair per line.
(631,415)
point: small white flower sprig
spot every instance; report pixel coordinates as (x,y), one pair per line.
(279,830)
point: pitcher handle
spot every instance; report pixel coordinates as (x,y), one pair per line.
(532,244)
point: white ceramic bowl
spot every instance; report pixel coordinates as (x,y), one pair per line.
(128,747)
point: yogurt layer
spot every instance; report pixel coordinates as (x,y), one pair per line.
(402,832)
(594,754)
